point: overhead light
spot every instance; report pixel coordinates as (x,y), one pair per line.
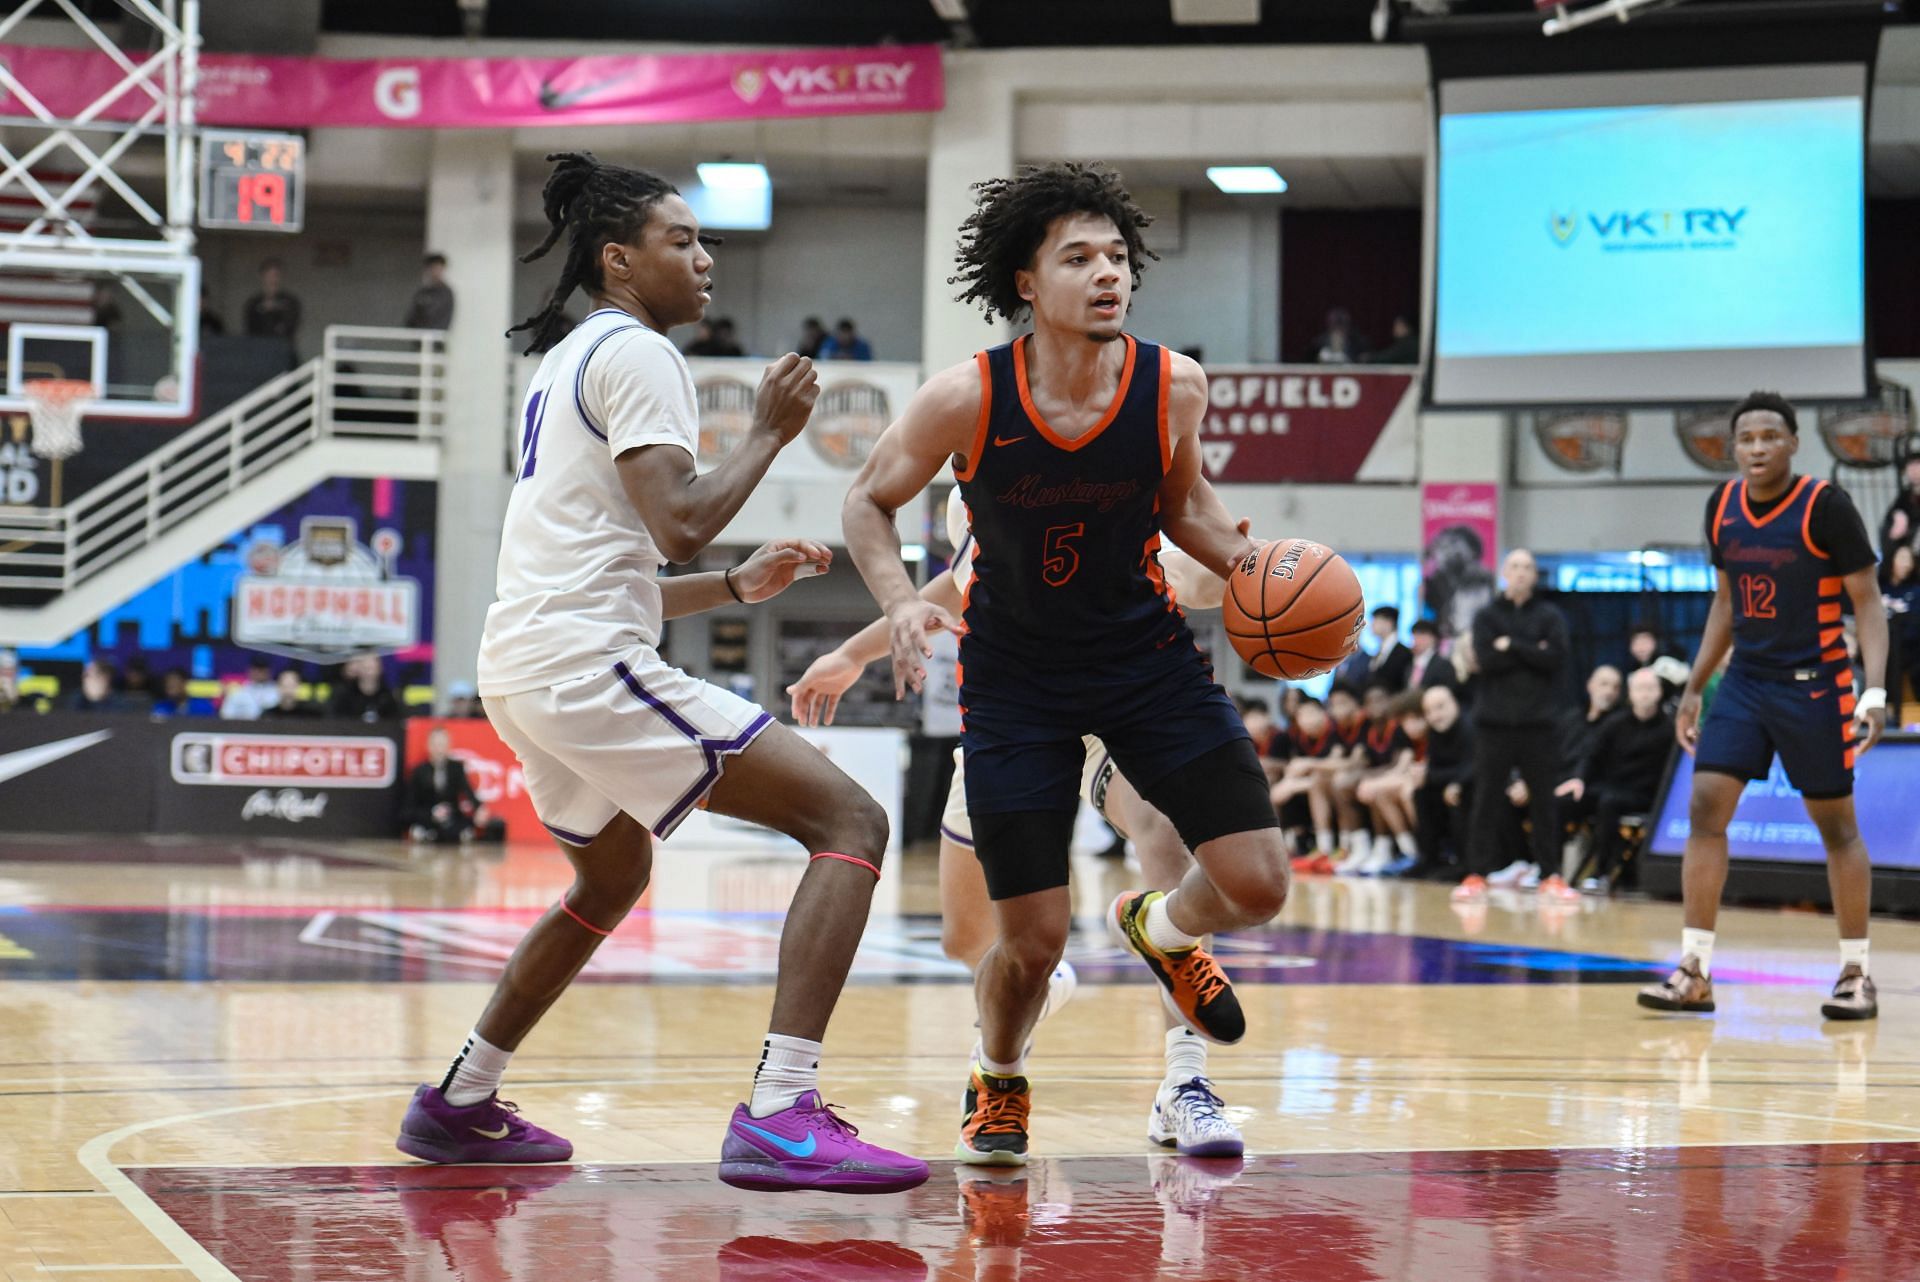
(728,175)
(951,10)
(1216,13)
(1245,180)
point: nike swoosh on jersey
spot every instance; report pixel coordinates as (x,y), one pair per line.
(780,1142)
(15,764)
(1007,440)
(1819,694)
(492,1135)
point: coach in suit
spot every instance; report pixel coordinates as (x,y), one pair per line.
(440,805)
(1386,666)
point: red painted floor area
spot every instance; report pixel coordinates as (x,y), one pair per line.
(1792,1213)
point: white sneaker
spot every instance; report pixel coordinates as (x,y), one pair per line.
(1190,1117)
(1378,858)
(1530,879)
(1348,864)
(1512,875)
(1060,987)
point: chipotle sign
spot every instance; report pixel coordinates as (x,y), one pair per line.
(1297,423)
(283,761)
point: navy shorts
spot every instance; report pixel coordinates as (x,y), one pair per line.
(1021,728)
(1809,723)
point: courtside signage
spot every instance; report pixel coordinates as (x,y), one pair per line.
(283,761)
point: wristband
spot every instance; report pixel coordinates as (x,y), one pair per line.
(1870,701)
(727,574)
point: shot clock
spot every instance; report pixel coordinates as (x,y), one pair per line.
(252,181)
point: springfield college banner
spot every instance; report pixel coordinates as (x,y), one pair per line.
(449,93)
(1308,423)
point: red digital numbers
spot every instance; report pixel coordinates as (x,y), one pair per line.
(263,197)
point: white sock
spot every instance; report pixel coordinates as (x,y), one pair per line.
(789,1068)
(1017,1067)
(1699,944)
(1853,952)
(475,1073)
(1323,840)
(1405,843)
(1186,1056)
(1162,933)
(1355,840)
(1383,849)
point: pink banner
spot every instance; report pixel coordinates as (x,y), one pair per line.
(447,93)
(1460,542)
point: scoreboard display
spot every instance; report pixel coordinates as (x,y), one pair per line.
(252,181)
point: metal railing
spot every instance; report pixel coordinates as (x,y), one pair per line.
(368,383)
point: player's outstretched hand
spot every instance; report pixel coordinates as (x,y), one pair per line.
(1686,721)
(816,695)
(785,400)
(909,626)
(772,569)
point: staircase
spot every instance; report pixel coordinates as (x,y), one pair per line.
(370,405)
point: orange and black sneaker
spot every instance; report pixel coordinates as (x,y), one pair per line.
(993,1125)
(1192,985)
(1686,989)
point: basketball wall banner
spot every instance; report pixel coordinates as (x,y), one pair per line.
(479,93)
(858,399)
(1308,423)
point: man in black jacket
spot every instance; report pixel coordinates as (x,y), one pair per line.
(1621,771)
(1520,643)
(1442,795)
(440,805)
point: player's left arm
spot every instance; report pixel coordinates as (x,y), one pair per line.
(1870,630)
(766,574)
(1191,512)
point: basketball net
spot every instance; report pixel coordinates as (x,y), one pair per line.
(55,405)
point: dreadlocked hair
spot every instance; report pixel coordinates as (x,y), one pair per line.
(594,204)
(1010,219)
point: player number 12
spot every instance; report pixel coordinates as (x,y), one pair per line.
(1756,596)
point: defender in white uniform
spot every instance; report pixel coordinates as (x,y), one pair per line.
(1187,1114)
(617,745)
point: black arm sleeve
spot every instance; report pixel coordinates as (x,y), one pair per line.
(1713,507)
(1840,533)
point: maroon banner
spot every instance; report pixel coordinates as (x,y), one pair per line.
(1296,423)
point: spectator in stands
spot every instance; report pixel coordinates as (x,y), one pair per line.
(1340,343)
(250,699)
(813,336)
(1426,666)
(286,698)
(1902,598)
(211,325)
(362,693)
(175,701)
(432,305)
(136,683)
(106,308)
(1316,753)
(1258,719)
(1579,726)
(96,693)
(439,804)
(1385,752)
(1404,349)
(1443,784)
(463,700)
(1520,645)
(273,312)
(1621,771)
(1901,524)
(845,344)
(716,339)
(1391,663)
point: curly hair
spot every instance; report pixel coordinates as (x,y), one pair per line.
(1010,219)
(596,203)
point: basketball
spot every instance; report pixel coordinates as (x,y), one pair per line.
(1293,609)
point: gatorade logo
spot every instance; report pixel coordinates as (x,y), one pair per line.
(396,92)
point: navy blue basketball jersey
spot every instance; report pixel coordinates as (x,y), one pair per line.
(1786,593)
(1067,532)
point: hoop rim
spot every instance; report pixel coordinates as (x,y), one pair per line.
(57,391)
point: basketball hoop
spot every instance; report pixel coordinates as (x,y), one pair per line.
(55,405)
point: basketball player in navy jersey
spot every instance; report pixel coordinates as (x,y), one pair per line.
(1787,548)
(1074,447)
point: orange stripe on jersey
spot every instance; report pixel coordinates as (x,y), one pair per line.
(1845,679)
(1157,574)
(1166,429)
(1720,512)
(1847,758)
(1045,429)
(1830,612)
(980,426)
(1829,635)
(1847,704)
(1834,655)
(1830,586)
(1781,506)
(1806,521)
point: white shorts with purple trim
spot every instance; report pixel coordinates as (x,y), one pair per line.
(956,826)
(638,736)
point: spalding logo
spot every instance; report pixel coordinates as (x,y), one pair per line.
(1290,559)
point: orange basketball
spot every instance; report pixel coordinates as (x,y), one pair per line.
(1293,609)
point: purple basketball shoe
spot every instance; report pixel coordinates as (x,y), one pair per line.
(809,1146)
(490,1131)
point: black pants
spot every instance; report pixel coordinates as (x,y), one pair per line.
(1440,829)
(1609,804)
(1498,751)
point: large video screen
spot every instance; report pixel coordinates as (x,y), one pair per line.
(1656,237)
(1771,822)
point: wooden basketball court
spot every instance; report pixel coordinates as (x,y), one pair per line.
(207,1049)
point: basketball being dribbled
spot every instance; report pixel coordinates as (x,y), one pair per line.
(1293,609)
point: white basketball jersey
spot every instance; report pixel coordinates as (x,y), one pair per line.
(575,584)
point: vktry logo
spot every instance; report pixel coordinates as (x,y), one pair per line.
(289,804)
(1703,227)
(837,79)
